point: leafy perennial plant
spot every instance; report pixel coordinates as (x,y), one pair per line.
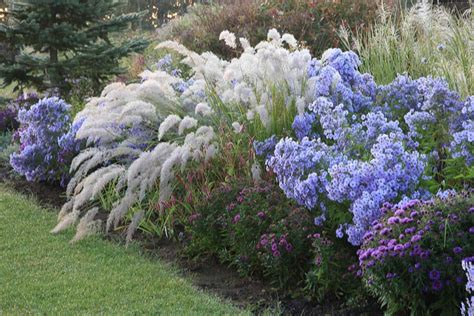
(47,141)
(339,144)
(359,144)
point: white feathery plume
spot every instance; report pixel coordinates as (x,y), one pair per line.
(203,108)
(167,174)
(87,225)
(87,185)
(256,172)
(187,123)
(228,38)
(290,40)
(169,122)
(237,127)
(211,151)
(111,87)
(67,221)
(83,156)
(245,44)
(139,108)
(300,105)
(65,209)
(119,210)
(263,114)
(113,173)
(132,227)
(192,59)
(274,36)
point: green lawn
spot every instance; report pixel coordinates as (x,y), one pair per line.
(44,274)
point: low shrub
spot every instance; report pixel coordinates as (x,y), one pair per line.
(411,258)
(47,142)
(315,23)
(255,228)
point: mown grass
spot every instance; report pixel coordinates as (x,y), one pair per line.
(43,274)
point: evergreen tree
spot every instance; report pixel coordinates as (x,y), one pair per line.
(58,41)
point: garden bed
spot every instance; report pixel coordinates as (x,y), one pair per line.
(208,273)
(282,179)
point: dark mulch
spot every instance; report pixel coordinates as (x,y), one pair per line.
(208,274)
(48,195)
(211,275)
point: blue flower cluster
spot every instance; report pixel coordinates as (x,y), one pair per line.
(47,141)
(463,139)
(361,145)
(428,106)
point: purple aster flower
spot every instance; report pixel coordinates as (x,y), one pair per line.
(236,219)
(261,215)
(436,285)
(410,230)
(274,246)
(393,220)
(415,238)
(398,247)
(399,212)
(384,231)
(434,275)
(457,250)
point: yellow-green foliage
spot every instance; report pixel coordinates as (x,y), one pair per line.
(422,41)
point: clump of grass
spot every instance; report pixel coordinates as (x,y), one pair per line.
(424,40)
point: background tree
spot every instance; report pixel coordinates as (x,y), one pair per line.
(61,40)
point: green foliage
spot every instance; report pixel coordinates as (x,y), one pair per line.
(422,41)
(234,219)
(314,23)
(256,229)
(7,147)
(61,41)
